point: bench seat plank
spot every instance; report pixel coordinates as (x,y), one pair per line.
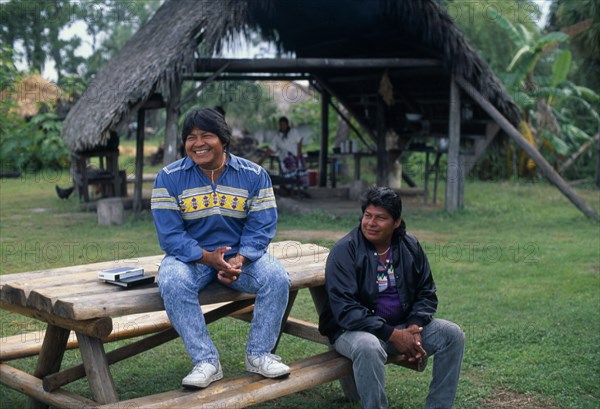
(183,398)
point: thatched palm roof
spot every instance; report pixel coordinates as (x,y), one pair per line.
(148,62)
(31,94)
(164,48)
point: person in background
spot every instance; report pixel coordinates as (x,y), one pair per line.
(381,298)
(288,147)
(215,215)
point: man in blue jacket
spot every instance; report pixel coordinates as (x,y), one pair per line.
(215,215)
(381,299)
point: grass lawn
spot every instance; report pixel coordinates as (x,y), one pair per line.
(518,270)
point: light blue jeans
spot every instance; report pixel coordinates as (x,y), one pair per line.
(443,339)
(181,282)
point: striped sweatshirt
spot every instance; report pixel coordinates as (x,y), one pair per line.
(191,214)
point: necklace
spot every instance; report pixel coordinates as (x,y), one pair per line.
(385,252)
(212,171)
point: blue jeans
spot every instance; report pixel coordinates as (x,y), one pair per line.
(368,353)
(181,282)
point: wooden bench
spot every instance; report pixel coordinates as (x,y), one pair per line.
(82,312)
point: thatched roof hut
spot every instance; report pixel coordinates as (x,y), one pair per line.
(381,59)
(165,48)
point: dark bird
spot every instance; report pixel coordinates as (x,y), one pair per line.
(64,193)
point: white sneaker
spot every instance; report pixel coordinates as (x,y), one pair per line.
(203,375)
(269,365)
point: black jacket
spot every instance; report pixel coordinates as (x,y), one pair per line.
(351,286)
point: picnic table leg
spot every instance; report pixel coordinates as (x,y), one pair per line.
(95,363)
(347,383)
(51,355)
(286,314)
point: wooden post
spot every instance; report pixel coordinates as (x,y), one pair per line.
(546,169)
(598,164)
(101,382)
(51,355)
(285,317)
(454,173)
(382,178)
(171,121)
(348,383)
(325,97)
(139,161)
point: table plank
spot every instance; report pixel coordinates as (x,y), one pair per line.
(306,269)
(96,327)
(65,271)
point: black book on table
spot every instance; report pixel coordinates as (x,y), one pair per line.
(129,282)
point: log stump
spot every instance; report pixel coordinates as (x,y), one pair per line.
(110,211)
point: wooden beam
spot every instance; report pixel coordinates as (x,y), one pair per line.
(382,154)
(102,385)
(286,314)
(546,169)
(56,380)
(598,165)
(51,355)
(323,157)
(348,107)
(310,64)
(453,171)
(32,386)
(95,327)
(210,79)
(351,125)
(139,161)
(171,134)
(250,77)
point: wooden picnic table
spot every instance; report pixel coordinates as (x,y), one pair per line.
(83,312)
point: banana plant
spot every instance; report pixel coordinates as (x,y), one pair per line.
(552,105)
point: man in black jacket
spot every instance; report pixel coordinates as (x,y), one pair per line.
(381,299)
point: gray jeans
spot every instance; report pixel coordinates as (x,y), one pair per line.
(368,353)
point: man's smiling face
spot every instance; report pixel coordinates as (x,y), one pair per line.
(204,148)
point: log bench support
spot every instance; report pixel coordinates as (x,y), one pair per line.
(55,381)
(51,356)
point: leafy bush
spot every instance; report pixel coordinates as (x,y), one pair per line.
(32,145)
(26,145)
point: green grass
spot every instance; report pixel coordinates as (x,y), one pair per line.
(518,269)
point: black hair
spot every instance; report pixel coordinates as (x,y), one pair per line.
(220,110)
(284,119)
(383,197)
(209,120)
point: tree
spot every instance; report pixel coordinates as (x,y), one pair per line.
(36,26)
(583,16)
(476,20)
(556,110)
